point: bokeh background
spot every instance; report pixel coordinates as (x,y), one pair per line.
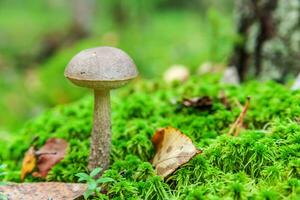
(38,38)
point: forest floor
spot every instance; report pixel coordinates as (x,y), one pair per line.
(261,162)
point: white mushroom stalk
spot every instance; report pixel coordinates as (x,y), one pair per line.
(101,133)
(102,69)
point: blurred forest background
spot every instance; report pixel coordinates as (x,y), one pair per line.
(38,38)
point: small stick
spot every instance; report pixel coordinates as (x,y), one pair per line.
(237,125)
(45,153)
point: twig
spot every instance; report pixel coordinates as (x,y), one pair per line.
(237,125)
(37,153)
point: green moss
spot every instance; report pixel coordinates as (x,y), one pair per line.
(262,163)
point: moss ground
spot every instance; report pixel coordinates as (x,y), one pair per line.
(262,163)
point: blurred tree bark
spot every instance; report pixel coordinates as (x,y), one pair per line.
(125,13)
(270,39)
(82,16)
(83,11)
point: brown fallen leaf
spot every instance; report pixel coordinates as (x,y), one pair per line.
(43,191)
(238,124)
(173,149)
(204,102)
(51,153)
(28,163)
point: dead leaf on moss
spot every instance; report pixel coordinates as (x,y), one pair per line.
(43,191)
(51,153)
(173,149)
(28,163)
(204,102)
(44,159)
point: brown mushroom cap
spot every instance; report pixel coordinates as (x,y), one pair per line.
(101,68)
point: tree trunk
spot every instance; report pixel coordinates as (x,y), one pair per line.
(83,11)
(270,32)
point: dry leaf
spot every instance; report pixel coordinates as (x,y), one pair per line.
(29,162)
(173,149)
(238,124)
(51,153)
(43,191)
(204,102)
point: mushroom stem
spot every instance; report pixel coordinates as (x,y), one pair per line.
(101,133)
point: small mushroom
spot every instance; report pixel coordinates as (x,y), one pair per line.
(102,69)
(178,73)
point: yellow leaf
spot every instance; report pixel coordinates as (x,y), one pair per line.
(173,149)
(29,162)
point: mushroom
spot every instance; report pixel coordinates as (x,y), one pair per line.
(178,73)
(102,69)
